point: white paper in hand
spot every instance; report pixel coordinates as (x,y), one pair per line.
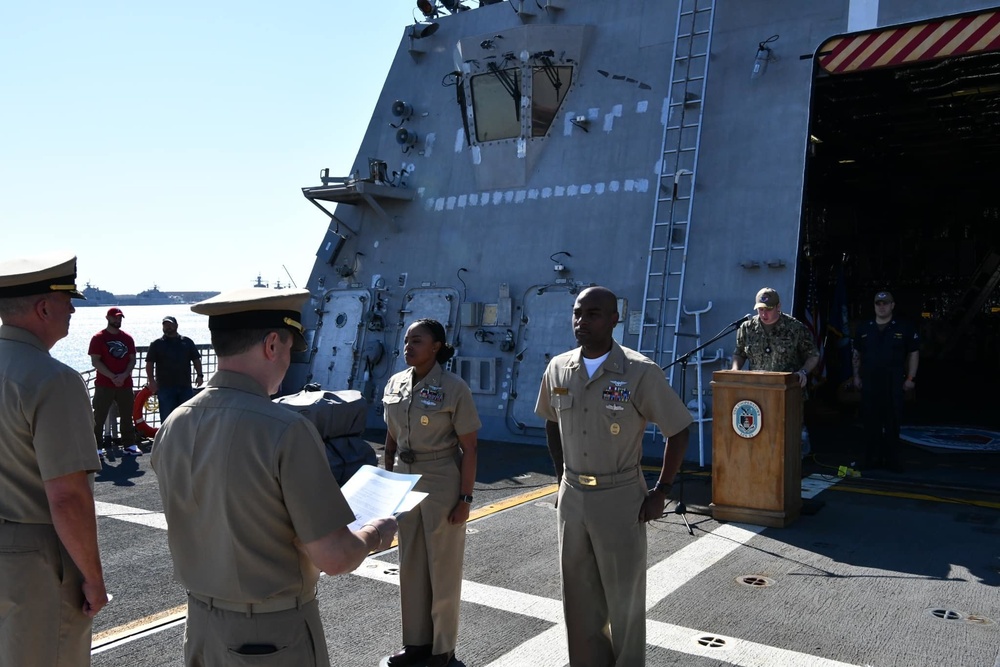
(373,493)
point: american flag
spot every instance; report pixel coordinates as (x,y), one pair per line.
(813,321)
(837,328)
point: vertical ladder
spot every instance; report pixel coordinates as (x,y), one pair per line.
(668,241)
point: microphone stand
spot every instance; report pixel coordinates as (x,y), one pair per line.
(680,508)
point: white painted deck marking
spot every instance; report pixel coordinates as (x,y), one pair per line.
(544,649)
(501,599)
(815,484)
(736,652)
(685,564)
(131,514)
(548,648)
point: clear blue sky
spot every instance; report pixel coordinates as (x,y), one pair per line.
(166,143)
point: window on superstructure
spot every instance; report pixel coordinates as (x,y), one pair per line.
(548,88)
(496,103)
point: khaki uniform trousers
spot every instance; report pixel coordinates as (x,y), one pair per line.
(213,637)
(41,600)
(602,547)
(431,554)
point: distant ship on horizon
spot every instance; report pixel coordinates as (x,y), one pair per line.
(277,285)
(150,297)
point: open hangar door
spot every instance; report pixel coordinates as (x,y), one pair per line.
(903,193)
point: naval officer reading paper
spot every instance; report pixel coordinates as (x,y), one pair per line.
(372,492)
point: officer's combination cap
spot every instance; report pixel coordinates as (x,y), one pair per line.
(767,298)
(39,274)
(884,296)
(257,308)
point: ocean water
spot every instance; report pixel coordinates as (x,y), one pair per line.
(143,323)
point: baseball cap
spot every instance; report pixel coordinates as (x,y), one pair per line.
(767,298)
(257,308)
(39,274)
(116,312)
(170,318)
(884,296)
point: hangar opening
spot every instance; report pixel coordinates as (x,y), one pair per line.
(903,193)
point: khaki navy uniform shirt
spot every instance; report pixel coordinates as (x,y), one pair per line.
(47,426)
(602,543)
(783,349)
(431,415)
(602,419)
(424,418)
(241,480)
(46,432)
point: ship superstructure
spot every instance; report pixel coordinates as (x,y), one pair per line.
(683,154)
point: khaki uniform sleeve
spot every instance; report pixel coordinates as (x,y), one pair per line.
(659,403)
(466,418)
(543,406)
(63,428)
(312,496)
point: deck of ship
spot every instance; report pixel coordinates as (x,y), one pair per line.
(891,570)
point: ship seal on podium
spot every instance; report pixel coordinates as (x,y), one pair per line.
(746,419)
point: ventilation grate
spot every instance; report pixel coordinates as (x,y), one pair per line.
(712,641)
(755,580)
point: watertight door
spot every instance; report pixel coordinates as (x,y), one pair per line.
(548,331)
(339,338)
(436,303)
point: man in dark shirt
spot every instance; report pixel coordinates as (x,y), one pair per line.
(168,368)
(886,355)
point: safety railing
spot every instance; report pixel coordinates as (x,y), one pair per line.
(151,413)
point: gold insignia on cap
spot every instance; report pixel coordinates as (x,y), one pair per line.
(39,274)
(615,429)
(424,421)
(257,308)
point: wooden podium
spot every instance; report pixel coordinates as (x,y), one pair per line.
(756,461)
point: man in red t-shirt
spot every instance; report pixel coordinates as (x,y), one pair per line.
(113,353)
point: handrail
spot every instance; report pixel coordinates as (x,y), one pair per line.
(209,364)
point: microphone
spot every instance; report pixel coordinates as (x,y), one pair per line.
(743,319)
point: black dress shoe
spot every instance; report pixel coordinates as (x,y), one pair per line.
(441,659)
(410,655)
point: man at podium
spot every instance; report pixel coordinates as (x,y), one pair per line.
(775,341)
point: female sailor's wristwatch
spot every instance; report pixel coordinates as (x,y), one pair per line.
(464,498)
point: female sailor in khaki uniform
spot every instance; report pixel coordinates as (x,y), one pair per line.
(432,422)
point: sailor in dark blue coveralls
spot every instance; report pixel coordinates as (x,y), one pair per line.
(886,354)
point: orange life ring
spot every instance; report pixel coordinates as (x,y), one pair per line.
(139,413)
